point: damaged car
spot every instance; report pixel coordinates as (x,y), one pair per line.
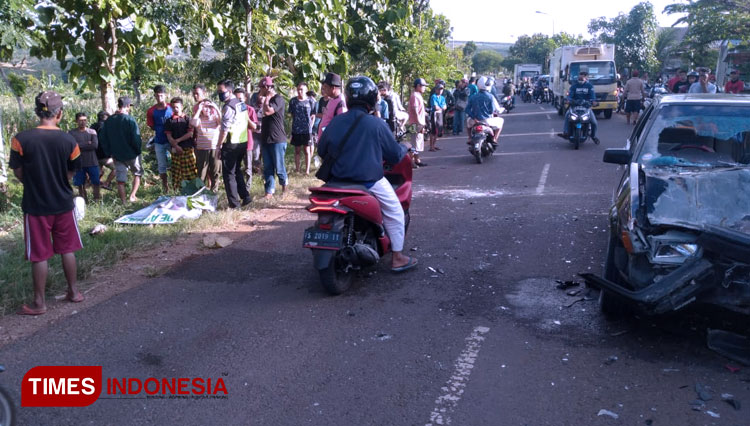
(680,220)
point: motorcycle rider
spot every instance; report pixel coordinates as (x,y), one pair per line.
(482,106)
(362,161)
(581,89)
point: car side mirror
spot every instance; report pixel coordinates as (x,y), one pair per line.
(617,156)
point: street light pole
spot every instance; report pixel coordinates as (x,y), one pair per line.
(551,17)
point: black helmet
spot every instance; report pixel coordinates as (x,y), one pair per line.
(361,90)
(693,74)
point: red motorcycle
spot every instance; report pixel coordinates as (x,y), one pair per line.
(348,235)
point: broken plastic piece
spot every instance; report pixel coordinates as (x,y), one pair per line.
(712,414)
(704,392)
(731,345)
(604,412)
(611,360)
(729,399)
(564,285)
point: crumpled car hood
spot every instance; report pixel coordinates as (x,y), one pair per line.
(694,199)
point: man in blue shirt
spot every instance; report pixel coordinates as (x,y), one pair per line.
(581,89)
(361,161)
(483,105)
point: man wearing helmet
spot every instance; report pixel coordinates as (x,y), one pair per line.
(581,89)
(368,145)
(482,105)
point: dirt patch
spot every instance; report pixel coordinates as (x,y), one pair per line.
(138,268)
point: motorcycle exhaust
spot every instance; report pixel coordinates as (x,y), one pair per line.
(360,255)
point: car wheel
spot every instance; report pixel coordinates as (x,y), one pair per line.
(607,114)
(612,306)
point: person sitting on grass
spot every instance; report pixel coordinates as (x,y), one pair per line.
(44,159)
(87,143)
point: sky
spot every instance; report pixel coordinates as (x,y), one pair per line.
(504,21)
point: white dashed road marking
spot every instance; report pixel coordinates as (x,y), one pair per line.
(542,180)
(525,134)
(446,403)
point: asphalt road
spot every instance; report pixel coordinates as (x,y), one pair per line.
(482,338)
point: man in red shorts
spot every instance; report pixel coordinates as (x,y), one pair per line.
(44,159)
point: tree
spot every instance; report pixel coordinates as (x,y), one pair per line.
(634,36)
(487,61)
(713,20)
(16,19)
(469,49)
(99,39)
(665,44)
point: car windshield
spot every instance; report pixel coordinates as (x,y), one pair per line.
(698,136)
(529,74)
(600,72)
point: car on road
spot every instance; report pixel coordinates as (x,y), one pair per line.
(680,219)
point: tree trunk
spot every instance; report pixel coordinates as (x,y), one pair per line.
(248,45)
(107,94)
(137,92)
(18,98)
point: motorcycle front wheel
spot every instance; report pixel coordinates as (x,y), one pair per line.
(334,280)
(577,138)
(7,409)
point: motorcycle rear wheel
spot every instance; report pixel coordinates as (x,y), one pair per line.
(478,156)
(336,281)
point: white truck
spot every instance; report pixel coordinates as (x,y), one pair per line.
(521,71)
(565,63)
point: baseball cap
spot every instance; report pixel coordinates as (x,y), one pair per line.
(266,81)
(124,101)
(420,82)
(48,101)
(332,79)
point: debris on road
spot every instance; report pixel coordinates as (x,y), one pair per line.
(442,271)
(712,414)
(564,285)
(732,368)
(432,269)
(697,405)
(611,360)
(604,412)
(704,392)
(556,322)
(731,345)
(383,337)
(729,399)
(618,333)
(574,301)
(670,370)
(414,248)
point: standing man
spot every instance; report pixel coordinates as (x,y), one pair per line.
(206,122)
(156,116)
(462,99)
(634,92)
(273,136)
(702,85)
(417,117)
(336,104)
(437,113)
(252,125)
(302,109)
(734,85)
(87,142)
(121,139)
(232,144)
(44,159)
(104,161)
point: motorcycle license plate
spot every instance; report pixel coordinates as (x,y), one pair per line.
(321,239)
(578,125)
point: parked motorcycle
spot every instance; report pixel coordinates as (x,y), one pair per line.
(653,93)
(448,120)
(482,143)
(7,409)
(349,235)
(579,119)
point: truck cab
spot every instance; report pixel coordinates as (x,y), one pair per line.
(566,62)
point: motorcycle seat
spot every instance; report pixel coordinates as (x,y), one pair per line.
(342,188)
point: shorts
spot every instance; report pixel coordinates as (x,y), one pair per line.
(106,162)
(302,139)
(37,230)
(80,177)
(633,105)
(162,156)
(436,124)
(122,167)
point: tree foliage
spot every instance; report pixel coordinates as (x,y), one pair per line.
(487,61)
(634,36)
(469,49)
(713,20)
(536,49)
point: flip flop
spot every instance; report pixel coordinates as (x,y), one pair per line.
(25,310)
(412,263)
(74,300)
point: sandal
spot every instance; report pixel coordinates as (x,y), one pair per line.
(25,310)
(411,264)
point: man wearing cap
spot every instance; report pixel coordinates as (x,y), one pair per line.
(273,136)
(336,104)
(734,84)
(120,138)
(44,159)
(418,118)
(581,89)
(231,146)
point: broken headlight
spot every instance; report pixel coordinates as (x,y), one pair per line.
(672,248)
